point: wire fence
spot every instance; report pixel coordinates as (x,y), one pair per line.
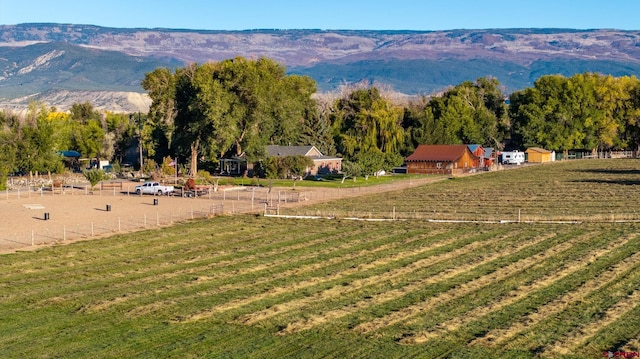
(505,216)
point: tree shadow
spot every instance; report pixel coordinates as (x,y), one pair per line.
(610,181)
(612,171)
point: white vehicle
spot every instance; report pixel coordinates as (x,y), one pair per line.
(512,158)
(153,188)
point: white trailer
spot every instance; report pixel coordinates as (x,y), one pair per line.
(512,157)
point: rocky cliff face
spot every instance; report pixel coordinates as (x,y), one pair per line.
(84,57)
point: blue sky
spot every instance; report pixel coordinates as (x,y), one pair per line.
(328,14)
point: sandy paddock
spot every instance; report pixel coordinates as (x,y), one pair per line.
(77,214)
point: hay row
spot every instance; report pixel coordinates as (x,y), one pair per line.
(469,287)
(292,287)
(501,336)
(517,294)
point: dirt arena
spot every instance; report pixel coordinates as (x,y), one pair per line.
(78,214)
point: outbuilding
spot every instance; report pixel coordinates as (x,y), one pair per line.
(444,159)
(538,155)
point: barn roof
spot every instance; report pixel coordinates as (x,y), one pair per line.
(488,152)
(473,147)
(438,153)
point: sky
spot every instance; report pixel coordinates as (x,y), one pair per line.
(328,14)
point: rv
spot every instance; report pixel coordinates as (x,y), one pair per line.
(512,158)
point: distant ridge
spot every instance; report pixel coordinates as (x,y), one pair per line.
(39,58)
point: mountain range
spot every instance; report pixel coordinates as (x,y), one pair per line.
(62,64)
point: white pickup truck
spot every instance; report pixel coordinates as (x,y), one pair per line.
(153,188)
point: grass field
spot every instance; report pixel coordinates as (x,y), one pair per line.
(329,181)
(596,190)
(249,286)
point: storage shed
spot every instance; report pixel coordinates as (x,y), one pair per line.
(538,155)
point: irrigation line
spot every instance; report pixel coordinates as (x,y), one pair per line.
(428,220)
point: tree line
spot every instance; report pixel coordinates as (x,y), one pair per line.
(234,108)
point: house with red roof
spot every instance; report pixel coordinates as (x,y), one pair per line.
(442,159)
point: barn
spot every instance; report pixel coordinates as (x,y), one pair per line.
(479,152)
(443,159)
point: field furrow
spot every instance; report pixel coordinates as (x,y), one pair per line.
(355,269)
(210,286)
(579,314)
(498,337)
(577,338)
(198,274)
(469,287)
(394,274)
(443,328)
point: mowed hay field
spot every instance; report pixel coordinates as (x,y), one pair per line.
(593,190)
(257,287)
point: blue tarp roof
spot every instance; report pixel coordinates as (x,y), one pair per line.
(70,153)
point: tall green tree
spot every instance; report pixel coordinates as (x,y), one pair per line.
(203,126)
(472,112)
(232,107)
(37,146)
(585,111)
(161,86)
(366,122)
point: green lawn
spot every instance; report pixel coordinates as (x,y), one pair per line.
(333,181)
(250,286)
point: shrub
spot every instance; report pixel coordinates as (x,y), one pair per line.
(94,176)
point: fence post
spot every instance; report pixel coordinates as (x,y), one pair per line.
(119,229)
(32,238)
(91,229)
(518,215)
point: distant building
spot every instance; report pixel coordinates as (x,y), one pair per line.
(538,155)
(321,164)
(444,159)
(479,152)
